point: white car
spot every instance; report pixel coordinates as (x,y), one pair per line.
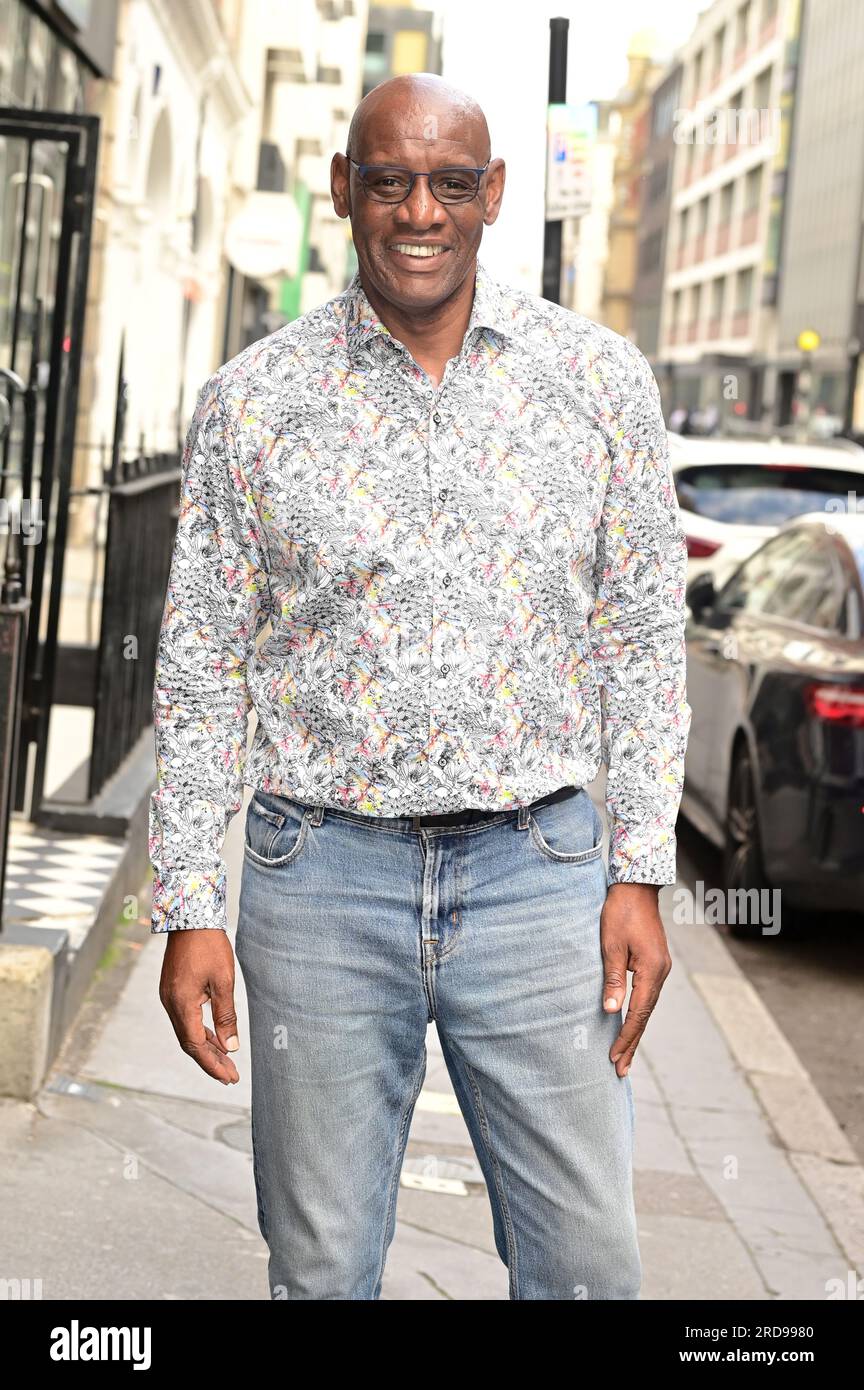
(734,492)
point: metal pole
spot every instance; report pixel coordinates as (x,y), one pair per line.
(557,93)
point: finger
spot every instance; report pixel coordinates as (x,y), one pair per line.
(207,1052)
(615,960)
(212,1038)
(644,995)
(222,1010)
(212,1059)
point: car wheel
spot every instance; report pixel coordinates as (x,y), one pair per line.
(742,852)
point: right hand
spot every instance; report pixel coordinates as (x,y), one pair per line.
(199,965)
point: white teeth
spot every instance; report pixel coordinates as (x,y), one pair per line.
(418,250)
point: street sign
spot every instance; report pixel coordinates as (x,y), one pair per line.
(264,237)
(571,130)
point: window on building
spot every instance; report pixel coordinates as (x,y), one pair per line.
(663,109)
(717,51)
(742,26)
(649,252)
(752,188)
(658,181)
(762,90)
(718,289)
(727,193)
(744,290)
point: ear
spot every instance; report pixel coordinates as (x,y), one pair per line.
(340,185)
(495,177)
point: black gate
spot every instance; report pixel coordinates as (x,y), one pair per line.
(47,188)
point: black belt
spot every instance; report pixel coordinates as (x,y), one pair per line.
(475,814)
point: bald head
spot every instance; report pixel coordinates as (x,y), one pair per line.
(416,253)
(424,99)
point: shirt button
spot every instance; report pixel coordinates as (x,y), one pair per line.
(444,670)
(447,579)
(437,418)
(442,496)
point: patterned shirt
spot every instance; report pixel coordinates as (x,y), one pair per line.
(472,593)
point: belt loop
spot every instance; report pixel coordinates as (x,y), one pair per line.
(317,815)
(522,821)
(415,822)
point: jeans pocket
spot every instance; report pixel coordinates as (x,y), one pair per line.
(276,830)
(567,832)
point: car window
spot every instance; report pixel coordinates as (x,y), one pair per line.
(752,584)
(810,590)
(758,494)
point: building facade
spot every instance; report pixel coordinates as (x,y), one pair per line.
(631,105)
(718,326)
(401,38)
(822,286)
(654,211)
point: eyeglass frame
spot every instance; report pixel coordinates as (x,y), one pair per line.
(420,173)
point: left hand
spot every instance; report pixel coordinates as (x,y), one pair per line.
(632,938)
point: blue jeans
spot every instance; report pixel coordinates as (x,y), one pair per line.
(355,932)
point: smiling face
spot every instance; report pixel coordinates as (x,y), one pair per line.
(415,254)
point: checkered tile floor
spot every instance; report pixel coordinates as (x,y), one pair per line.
(54,879)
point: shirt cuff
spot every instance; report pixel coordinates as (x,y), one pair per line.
(640,856)
(197,900)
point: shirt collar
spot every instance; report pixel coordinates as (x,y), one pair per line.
(491,309)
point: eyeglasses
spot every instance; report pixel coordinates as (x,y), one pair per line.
(389,183)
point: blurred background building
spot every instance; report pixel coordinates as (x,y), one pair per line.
(400,39)
(718,312)
(631,106)
(822,281)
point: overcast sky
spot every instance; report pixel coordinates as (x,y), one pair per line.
(498,50)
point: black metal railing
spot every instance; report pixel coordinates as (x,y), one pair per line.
(141,522)
(14,606)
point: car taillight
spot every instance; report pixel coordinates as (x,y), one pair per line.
(698,549)
(837,704)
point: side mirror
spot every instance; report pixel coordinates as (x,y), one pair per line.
(700,593)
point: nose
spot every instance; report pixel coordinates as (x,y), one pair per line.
(421,208)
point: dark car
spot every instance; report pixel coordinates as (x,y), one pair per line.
(774,772)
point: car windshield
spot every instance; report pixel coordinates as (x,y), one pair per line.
(759,494)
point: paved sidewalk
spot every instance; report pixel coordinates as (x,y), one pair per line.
(131,1175)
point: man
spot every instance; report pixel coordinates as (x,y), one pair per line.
(453,502)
